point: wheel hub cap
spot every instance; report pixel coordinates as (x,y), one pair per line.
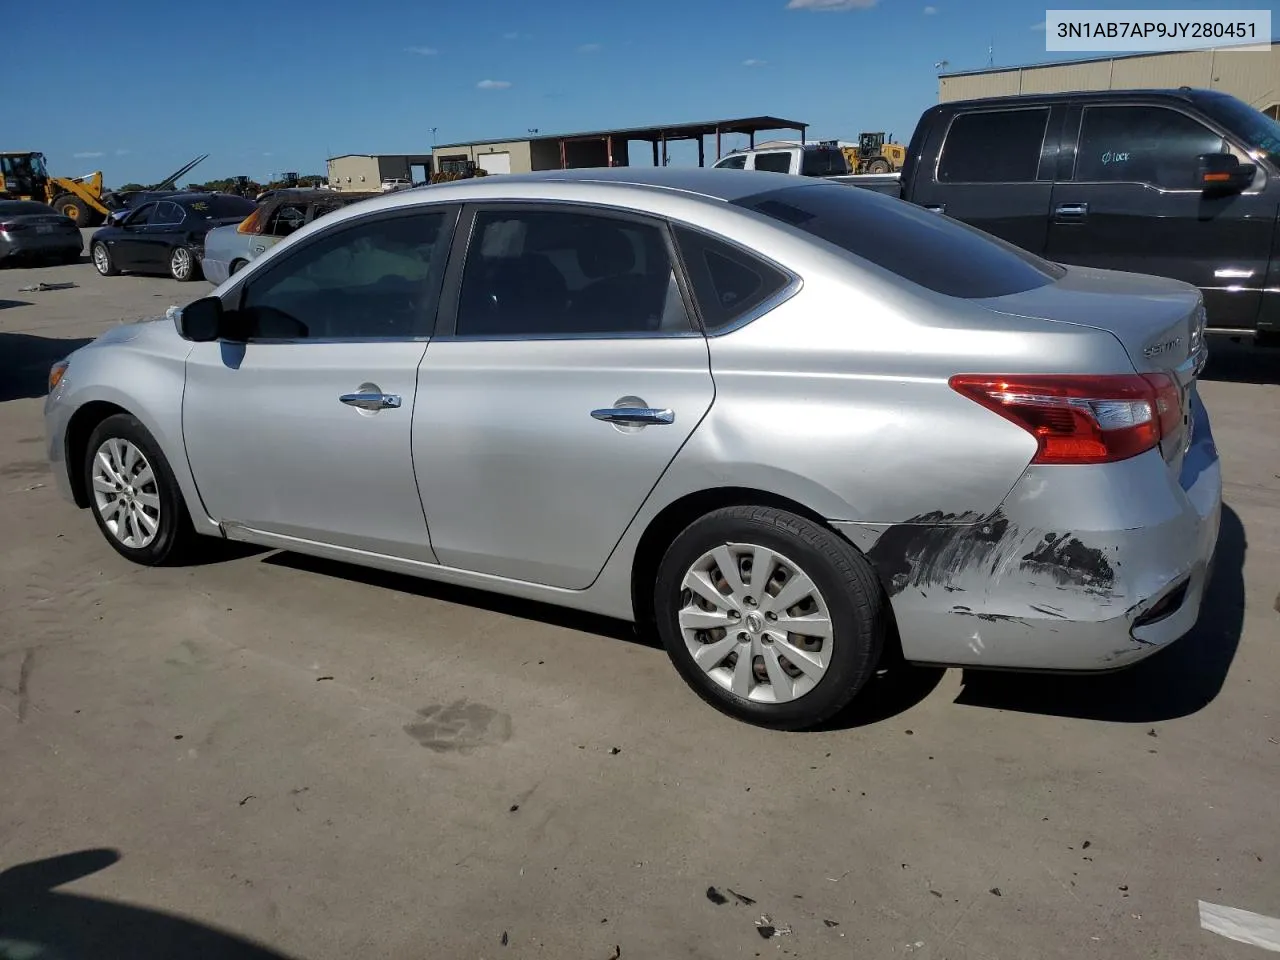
(125,494)
(755,623)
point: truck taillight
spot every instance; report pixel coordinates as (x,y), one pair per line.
(1078,418)
(254,222)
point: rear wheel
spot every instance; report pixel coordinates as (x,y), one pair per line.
(878,166)
(134,496)
(770,617)
(102,261)
(236,266)
(182,264)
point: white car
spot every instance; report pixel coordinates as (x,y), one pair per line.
(390,186)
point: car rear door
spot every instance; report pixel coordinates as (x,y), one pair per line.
(1129,198)
(994,170)
(301,428)
(128,244)
(565,376)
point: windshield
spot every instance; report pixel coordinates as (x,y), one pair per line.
(221,207)
(24,166)
(1259,132)
(937,253)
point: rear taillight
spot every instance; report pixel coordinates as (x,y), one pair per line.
(254,222)
(10,227)
(1082,419)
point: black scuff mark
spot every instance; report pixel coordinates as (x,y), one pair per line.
(929,549)
(1067,560)
(1048,611)
(989,617)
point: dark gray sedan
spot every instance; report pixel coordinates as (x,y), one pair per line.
(30,230)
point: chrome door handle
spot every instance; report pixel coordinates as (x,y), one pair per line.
(634,415)
(1071,211)
(936,207)
(371,401)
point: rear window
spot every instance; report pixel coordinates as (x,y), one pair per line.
(994,146)
(776,162)
(24,208)
(930,250)
(823,162)
(220,207)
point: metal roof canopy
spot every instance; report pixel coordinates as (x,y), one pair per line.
(658,134)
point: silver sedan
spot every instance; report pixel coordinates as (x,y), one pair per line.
(786,425)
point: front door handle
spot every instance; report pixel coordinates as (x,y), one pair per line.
(634,416)
(936,207)
(371,401)
(1071,211)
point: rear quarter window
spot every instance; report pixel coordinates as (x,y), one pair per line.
(728,282)
(924,248)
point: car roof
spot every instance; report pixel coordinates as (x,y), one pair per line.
(726,185)
(1185,94)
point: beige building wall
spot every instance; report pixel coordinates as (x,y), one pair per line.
(519,151)
(1254,77)
(355,173)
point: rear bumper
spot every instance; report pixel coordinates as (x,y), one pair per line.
(36,245)
(215,271)
(1081,568)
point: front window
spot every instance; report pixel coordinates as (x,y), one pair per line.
(1141,144)
(1260,133)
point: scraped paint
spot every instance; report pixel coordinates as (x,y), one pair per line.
(1242,926)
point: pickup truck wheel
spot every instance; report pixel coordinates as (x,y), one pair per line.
(878,166)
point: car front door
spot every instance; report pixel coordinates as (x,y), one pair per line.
(1132,200)
(566,376)
(301,427)
(157,238)
(994,171)
(128,245)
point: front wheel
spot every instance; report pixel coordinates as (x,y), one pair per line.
(770,617)
(182,265)
(135,499)
(878,166)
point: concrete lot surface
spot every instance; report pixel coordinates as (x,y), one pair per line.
(269,756)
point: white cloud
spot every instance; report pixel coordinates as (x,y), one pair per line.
(1038,26)
(828,6)
(512,35)
(422,51)
(590,48)
(930,11)
(122,152)
(754,62)
(493,84)
(87,154)
(267,153)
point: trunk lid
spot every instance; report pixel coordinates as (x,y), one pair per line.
(1159,322)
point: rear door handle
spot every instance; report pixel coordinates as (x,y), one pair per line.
(634,415)
(1071,211)
(371,401)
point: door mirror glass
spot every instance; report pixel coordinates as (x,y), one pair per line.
(201,320)
(1223,173)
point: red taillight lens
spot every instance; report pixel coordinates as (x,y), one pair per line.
(10,227)
(253,223)
(1082,419)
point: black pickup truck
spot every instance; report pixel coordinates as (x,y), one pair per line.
(1178,183)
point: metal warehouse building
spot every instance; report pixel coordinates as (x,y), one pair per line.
(362,172)
(601,148)
(1253,76)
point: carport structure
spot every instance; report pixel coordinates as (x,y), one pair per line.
(604,148)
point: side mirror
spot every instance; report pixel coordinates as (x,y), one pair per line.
(201,321)
(1223,173)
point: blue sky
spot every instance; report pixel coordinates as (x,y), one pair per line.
(265,86)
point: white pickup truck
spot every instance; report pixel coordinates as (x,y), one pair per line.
(824,159)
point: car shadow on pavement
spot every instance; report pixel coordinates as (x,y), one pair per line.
(25,360)
(465,596)
(38,922)
(1180,680)
(1238,361)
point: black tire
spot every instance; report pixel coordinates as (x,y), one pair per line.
(848,585)
(69,205)
(192,271)
(878,166)
(236,267)
(102,261)
(175,539)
